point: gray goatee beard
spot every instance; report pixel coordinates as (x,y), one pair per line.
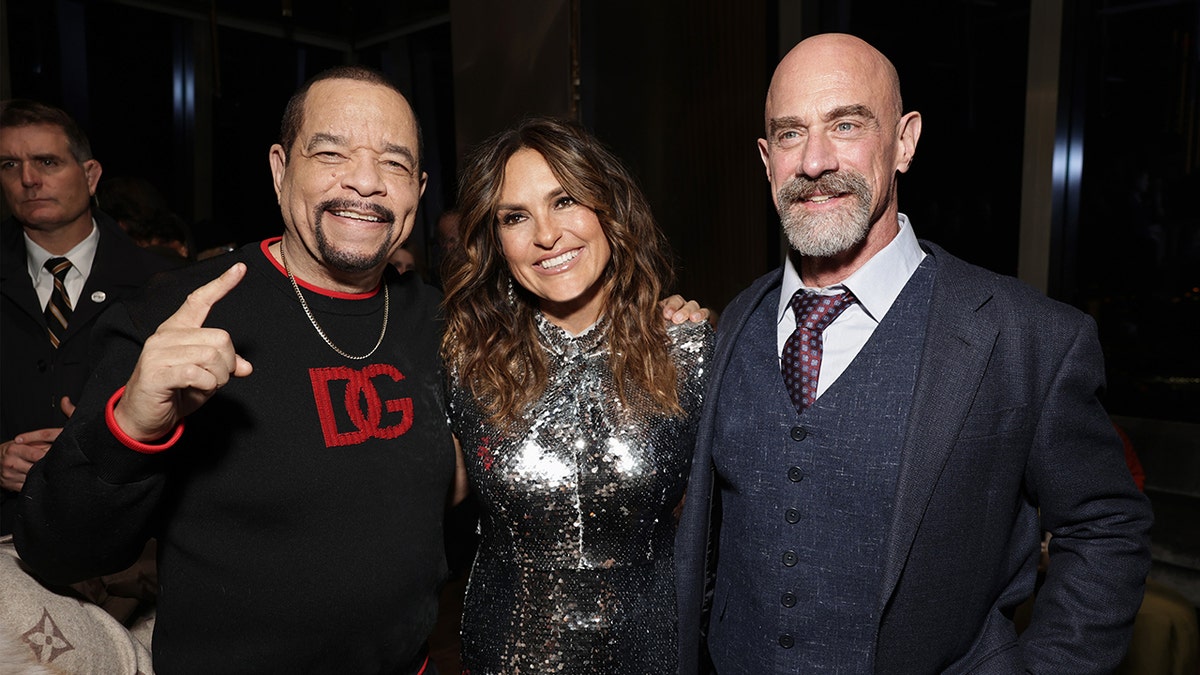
(345,261)
(823,235)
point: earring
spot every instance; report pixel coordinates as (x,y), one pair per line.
(512,293)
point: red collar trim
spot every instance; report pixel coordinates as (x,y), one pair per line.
(266,244)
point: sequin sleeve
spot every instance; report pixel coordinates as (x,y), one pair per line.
(692,346)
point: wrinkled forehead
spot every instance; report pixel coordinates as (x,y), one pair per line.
(362,113)
(816,81)
(37,138)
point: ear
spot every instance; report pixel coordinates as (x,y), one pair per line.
(764,152)
(906,140)
(92,169)
(278,159)
(424,181)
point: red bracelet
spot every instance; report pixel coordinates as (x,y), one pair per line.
(126,439)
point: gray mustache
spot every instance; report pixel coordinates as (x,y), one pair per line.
(801,187)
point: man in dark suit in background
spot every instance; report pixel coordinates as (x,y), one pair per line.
(890,430)
(48,176)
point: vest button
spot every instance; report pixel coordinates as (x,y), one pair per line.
(795,474)
(799,433)
(786,641)
(790,558)
(792,516)
(788,600)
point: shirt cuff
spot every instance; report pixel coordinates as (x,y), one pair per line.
(126,440)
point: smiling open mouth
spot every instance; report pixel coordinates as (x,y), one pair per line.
(558,260)
(357,216)
(363,211)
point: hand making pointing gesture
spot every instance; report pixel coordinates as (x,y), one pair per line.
(182,365)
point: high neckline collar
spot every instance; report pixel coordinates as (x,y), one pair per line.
(558,341)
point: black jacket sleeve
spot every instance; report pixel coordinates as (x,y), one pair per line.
(89,506)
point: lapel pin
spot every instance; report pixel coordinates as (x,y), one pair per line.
(98,296)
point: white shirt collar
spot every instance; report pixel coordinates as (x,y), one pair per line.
(81,256)
(876,284)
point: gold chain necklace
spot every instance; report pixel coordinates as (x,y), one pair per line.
(313,320)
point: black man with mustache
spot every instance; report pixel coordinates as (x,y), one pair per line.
(274,416)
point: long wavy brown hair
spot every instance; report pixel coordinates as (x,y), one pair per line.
(491,335)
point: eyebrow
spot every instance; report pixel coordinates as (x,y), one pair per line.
(321,137)
(778,123)
(401,150)
(852,110)
(334,139)
(37,158)
(559,191)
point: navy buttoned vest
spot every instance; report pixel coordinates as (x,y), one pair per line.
(805,499)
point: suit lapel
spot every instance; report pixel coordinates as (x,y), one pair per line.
(116,270)
(696,528)
(15,283)
(100,287)
(958,343)
(733,322)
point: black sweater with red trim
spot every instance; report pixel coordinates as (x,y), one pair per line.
(299,516)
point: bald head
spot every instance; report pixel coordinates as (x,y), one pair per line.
(835,61)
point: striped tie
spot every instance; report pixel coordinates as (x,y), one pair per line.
(58,309)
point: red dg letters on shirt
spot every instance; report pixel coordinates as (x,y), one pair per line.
(363,405)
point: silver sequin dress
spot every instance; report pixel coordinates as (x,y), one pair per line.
(575,570)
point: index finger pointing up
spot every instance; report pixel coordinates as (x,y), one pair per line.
(199,302)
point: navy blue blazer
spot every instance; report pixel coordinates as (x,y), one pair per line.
(1005,425)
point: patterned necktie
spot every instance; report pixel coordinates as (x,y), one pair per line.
(802,351)
(58,308)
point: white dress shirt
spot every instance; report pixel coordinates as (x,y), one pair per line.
(876,285)
(81,258)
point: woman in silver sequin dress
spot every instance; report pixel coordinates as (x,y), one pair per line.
(575,405)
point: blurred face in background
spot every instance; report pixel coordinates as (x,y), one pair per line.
(403,260)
